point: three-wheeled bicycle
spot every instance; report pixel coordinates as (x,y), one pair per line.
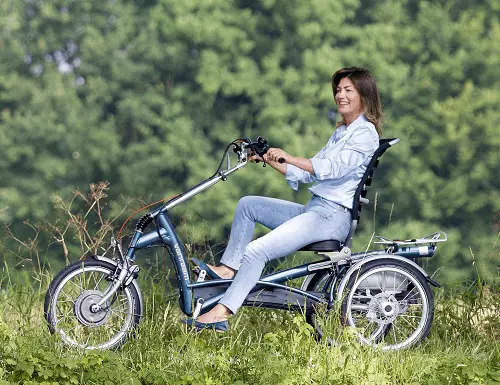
(383,294)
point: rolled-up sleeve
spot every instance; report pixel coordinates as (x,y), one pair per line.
(294,175)
(354,152)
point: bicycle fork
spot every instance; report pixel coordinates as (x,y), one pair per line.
(127,274)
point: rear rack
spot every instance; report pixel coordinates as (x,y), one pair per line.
(430,239)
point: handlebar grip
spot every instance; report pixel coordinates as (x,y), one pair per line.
(281,160)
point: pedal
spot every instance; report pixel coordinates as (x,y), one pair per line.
(197,308)
(201,276)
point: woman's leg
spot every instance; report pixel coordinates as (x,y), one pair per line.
(319,223)
(269,212)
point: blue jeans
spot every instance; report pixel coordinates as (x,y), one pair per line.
(293,226)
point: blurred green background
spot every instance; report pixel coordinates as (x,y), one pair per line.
(146,94)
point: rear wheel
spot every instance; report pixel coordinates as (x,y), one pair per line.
(69,300)
(388,303)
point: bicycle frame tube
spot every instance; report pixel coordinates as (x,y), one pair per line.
(222,175)
(165,235)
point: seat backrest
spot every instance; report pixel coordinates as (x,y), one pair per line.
(366,180)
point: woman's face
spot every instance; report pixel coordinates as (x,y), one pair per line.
(348,99)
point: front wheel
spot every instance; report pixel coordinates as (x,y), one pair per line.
(389,303)
(68,303)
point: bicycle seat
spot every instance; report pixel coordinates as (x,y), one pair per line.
(330,245)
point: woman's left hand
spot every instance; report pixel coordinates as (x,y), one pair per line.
(274,154)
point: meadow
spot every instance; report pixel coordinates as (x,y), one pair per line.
(262,346)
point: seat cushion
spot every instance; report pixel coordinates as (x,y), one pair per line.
(329,245)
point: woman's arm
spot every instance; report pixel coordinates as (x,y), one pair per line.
(332,164)
(274,154)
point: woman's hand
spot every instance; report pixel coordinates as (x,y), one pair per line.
(275,154)
(255,158)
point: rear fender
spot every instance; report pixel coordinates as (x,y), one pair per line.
(354,268)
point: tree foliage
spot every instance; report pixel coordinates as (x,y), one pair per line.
(145,94)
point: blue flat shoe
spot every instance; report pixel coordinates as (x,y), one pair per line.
(219,326)
(203,266)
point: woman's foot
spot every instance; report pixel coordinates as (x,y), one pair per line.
(223,271)
(217,314)
(214,272)
(220,326)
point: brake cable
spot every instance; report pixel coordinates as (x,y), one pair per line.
(139,210)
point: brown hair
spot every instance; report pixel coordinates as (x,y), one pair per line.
(365,84)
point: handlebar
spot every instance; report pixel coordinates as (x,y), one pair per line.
(259,147)
(245,148)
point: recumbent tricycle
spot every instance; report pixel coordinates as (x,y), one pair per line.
(384,295)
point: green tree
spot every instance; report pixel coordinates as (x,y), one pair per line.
(145,94)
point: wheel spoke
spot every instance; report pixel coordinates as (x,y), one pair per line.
(412,296)
(403,281)
(405,318)
(359,307)
(393,328)
(96,286)
(381,283)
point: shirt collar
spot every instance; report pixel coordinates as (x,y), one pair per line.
(341,131)
(358,121)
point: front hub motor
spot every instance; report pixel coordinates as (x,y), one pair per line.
(85,309)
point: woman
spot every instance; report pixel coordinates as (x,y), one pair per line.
(337,170)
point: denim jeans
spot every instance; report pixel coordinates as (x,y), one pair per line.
(293,226)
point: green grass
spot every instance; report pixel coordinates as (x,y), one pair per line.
(262,347)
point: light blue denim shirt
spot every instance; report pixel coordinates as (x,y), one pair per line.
(340,165)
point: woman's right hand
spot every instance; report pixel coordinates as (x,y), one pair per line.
(277,154)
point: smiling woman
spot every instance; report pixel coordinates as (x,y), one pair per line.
(348,100)
(355,92)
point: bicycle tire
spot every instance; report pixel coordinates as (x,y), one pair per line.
(67,307)
(386,299)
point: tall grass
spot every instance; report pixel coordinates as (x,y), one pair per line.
(262,347)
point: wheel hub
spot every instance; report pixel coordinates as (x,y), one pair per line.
(383,309)
(84,306)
